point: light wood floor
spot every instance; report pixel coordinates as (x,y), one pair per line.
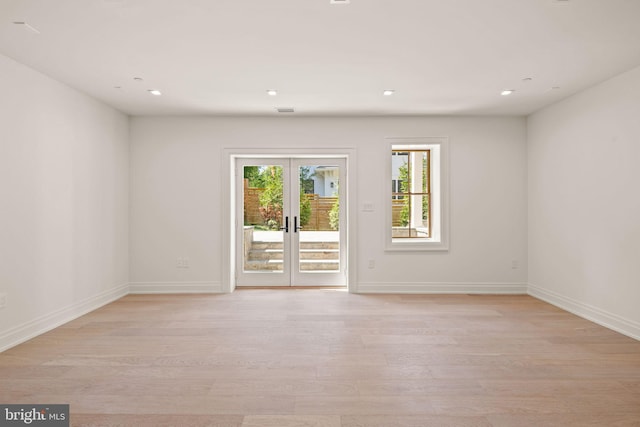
(327,358)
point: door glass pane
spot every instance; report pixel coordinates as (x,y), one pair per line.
(263,222)
(319,216)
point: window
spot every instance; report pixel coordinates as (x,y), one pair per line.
(417,206)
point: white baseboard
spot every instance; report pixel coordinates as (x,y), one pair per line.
(47,322)
(442,288)
(175,287)
(612,321)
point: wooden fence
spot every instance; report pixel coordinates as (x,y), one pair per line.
(396,209)
(252,205)
(320,208)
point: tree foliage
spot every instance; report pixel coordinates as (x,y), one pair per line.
(271,197)
(306,187)
(403,177)
(334,213)
(305,209)
(306,181)
(255,176)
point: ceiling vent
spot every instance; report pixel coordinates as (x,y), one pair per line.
(339,1)
(285,110)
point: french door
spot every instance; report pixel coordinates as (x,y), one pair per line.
(291,228)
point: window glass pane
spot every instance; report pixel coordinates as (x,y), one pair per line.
(410,175)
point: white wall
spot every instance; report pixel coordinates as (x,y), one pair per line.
(64,203)
(584,203)
(176,198)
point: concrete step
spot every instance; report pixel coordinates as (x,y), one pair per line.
(320,245)
(303,245)
(265,254)
(305,254)
(305,265)
(257,245)
(322,265)
(263,265)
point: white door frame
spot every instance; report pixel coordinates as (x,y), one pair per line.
(229,203)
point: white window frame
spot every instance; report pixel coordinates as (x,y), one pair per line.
(439,240)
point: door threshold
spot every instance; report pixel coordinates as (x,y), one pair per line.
(330,288)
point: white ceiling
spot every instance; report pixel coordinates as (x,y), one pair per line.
(220,56)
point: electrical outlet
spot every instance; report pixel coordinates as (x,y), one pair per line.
(3,300)
(372,263)
(182,262)
(514,265)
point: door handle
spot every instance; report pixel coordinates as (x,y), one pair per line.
(286,225)
(295,225)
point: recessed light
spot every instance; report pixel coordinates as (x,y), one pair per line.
(26,26)
(155,92)
(138,79)
(339,1)
(285,110)
(272,92)
(388,92)
(555,88)
(527,79)
(507,92)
